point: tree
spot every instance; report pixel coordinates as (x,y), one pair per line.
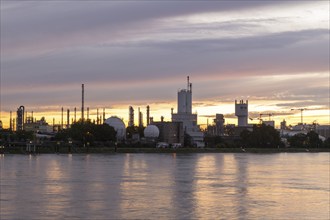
(313,140)
(261,136)
(88,132)
(298,140)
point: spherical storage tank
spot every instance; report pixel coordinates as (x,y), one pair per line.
(118,125)
(151,131)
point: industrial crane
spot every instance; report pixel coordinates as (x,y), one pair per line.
(269,114)
(301,112)
(260,117)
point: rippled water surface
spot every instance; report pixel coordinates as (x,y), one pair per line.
(165,186)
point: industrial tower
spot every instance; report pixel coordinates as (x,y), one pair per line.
(241,111)
(185,115)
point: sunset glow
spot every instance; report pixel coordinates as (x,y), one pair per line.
(274,54)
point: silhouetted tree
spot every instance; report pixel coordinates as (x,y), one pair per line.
(262,136)
(88,132)
(298,140)
(313,140)
(326,143)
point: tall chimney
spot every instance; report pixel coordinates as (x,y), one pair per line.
(75,114)
(62,119)
(11,122)
(131,116)
(68,118)
(82,102)
(148,115)
(97,116)
(103,115)
(87,113)
(140,119)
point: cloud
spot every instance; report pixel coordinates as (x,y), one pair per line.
(141,52)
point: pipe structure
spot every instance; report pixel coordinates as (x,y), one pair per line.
(75,114)
(131,117)
(82,102)
(10,121)
(62,118)
(103,115)
(148,115)
(97,116)
(68,118)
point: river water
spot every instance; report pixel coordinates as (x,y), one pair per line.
(166,186)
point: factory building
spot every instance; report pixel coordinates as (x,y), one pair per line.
(184,115)
(38,126)
(218,127)
(170,132)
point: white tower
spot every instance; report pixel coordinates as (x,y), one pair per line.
(185,100)
(241,111)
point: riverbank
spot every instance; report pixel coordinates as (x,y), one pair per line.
(112,150)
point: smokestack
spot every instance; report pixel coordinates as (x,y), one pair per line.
(140,119)
(62,119)
(188,83)
(148,115)
(131,116)
(87,113)
(32,116)
(172,111)
(11,122)
(82,102)
(97,116)
(103,115)
(162,119)
(75,114)
(68,118)
(53,124)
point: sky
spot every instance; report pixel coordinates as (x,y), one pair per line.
(273,53)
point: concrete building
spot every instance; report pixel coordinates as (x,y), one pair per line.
(38,126)
(323,130)
(242,112)
(184,115)
(170,132)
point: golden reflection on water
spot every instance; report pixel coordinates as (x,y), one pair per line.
(166,186)
(136,191)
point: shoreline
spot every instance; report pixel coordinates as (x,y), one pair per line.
(112,150)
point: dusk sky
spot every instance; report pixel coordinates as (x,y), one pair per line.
(273,53)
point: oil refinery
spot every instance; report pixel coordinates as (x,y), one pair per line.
(182,130)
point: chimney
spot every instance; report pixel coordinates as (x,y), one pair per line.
(82,102)
(148,115)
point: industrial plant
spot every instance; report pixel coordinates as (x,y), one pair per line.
(182,130)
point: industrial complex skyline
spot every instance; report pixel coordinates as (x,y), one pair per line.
(138,53)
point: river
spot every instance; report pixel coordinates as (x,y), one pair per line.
(165,186)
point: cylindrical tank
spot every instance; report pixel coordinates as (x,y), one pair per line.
(151,131)
(118,125)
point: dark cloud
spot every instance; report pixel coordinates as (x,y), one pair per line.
(49,48)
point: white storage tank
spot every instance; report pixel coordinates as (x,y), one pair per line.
(151,131)
(118,125)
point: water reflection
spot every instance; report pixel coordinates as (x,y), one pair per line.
(166,186)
